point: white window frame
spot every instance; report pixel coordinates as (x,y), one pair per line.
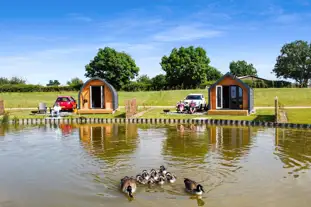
(221,101)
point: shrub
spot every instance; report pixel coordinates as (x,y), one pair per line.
(207,84)
(137,86)
(268,84)
(35,88)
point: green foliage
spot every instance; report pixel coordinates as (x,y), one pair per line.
(294,62)
(53,83)
(34,88)
(137,86)
(268,84)
(186,67)
(5,118)
(213,74)
(242,68)
(118,68)
(159,82)
(144,79)
(207,84)
(75,83)
(13,80)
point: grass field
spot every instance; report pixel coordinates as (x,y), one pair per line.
(261,115)
(263,97)
(299,116)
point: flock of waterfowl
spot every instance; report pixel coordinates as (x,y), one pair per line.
(161,176)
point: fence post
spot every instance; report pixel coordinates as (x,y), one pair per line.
(276,108)
(2,110)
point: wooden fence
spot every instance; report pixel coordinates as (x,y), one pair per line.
(130,108)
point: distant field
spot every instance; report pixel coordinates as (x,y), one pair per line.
(263,97)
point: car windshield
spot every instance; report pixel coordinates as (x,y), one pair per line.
(72,99)
(62,99)
(193,97)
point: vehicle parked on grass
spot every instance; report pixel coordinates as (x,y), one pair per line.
(67,103)
(198,100)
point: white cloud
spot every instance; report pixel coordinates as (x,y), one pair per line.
(186,33)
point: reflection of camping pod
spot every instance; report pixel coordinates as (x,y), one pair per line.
(184,143)
(107,141)
(2,131)
(233,142)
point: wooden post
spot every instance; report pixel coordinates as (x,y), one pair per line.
(1,107)
(276,108)
(130,108)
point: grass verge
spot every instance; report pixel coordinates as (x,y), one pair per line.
(263,97)
(299,116)
(261,115)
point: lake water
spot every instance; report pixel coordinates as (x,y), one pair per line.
(72,165)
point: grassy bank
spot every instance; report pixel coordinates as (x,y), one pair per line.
(263,97)
(261,115)
(299,116)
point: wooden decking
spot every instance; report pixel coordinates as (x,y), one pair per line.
(228,112)
(94,111)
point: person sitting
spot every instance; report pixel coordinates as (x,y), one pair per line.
(56,109)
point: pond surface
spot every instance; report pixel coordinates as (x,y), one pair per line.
(72,165)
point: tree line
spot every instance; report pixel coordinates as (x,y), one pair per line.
(184,68)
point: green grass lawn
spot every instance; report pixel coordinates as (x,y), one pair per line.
(299,116)
(27,114)
(261,115)
(263,97)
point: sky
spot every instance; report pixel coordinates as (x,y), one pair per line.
(44,40)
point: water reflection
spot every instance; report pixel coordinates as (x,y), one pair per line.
(108,141)
(236,165)
(193,142)
(293,148)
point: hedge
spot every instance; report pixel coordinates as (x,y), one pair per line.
(137,86)
(134,86)
(269,84)
(35,88)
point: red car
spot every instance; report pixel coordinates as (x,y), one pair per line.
(67,103)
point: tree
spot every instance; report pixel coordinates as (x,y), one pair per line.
(242,68)
(294,62)
(144,79)
(118,68)
(186,67)
(213,74)
(53,83)
(13,80)
(75,82)
(158,82)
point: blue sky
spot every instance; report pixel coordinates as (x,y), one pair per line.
(43,40)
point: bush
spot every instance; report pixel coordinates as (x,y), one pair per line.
(137,86)
(207,84)
(35,88)
(268,84)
